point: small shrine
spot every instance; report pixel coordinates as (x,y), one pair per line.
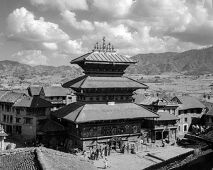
(2,138)
(104,109)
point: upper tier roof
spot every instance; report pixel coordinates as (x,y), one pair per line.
(103,57)
(104,53)
(104,82)
(82,112)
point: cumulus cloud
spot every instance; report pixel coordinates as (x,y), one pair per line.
(70,18)
(116,8)
(62,4)
(38,33)
(23,24)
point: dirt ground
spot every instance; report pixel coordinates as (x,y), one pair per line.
(142,159)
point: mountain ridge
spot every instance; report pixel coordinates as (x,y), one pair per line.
(191,62)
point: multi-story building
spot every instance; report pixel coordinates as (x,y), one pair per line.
(165,127)
(190,110)
(7,111)
(21,115)
(104,111)
(30,114)
(58,96)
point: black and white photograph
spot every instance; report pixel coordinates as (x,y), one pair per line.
(106,84)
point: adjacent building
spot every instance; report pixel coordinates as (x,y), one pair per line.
(166,126)
(21,115)
(190,110)
(104,111)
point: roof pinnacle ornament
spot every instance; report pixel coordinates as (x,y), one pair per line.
(104,47)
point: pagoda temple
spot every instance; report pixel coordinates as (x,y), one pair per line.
(104,109)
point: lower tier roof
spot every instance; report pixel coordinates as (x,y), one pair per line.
(81,112)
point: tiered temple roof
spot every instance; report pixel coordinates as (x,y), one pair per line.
(103,83)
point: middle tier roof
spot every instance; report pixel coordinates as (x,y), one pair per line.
(104,82)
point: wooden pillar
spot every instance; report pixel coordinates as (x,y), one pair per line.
(162,135)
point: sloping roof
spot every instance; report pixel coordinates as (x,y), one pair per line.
(103,82)
(41,158)
(188,102)
(150,100)
(35,90)
(80,112)
(51,126)
(11,97)
(55,91)
(3,92)
(210,112)
(109,57)
(166,116)
(33,102)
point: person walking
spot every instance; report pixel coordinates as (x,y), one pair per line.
(105,163)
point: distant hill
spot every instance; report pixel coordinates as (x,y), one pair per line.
(192,62)
(16,69)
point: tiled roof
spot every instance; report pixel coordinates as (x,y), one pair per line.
(166,116)
(11,97)
(104,82)
(109,57)
(20,159)
(188,102)
(41,158)
(2,92)
(34,102)
(80,112)
(55,91)
(35,90)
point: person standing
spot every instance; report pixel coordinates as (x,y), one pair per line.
(127,148)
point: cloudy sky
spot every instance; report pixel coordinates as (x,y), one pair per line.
(52,32)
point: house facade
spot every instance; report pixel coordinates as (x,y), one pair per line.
(190,110)
(20,115)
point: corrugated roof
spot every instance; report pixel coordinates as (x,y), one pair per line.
(166,116)
(55,91)
(110,57)
(11,97)
(188,102)
(41,158)
(104,82)
(33,102)
(79,112)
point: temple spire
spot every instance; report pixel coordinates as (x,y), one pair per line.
(104,47)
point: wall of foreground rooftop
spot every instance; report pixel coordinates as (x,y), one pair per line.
(198,159)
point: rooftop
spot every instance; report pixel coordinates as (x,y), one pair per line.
(41,158)
(55,91)
(82,112)
(33,102)
(104,82)
(104,53)
(188,102)
(34,90)
(11,97)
